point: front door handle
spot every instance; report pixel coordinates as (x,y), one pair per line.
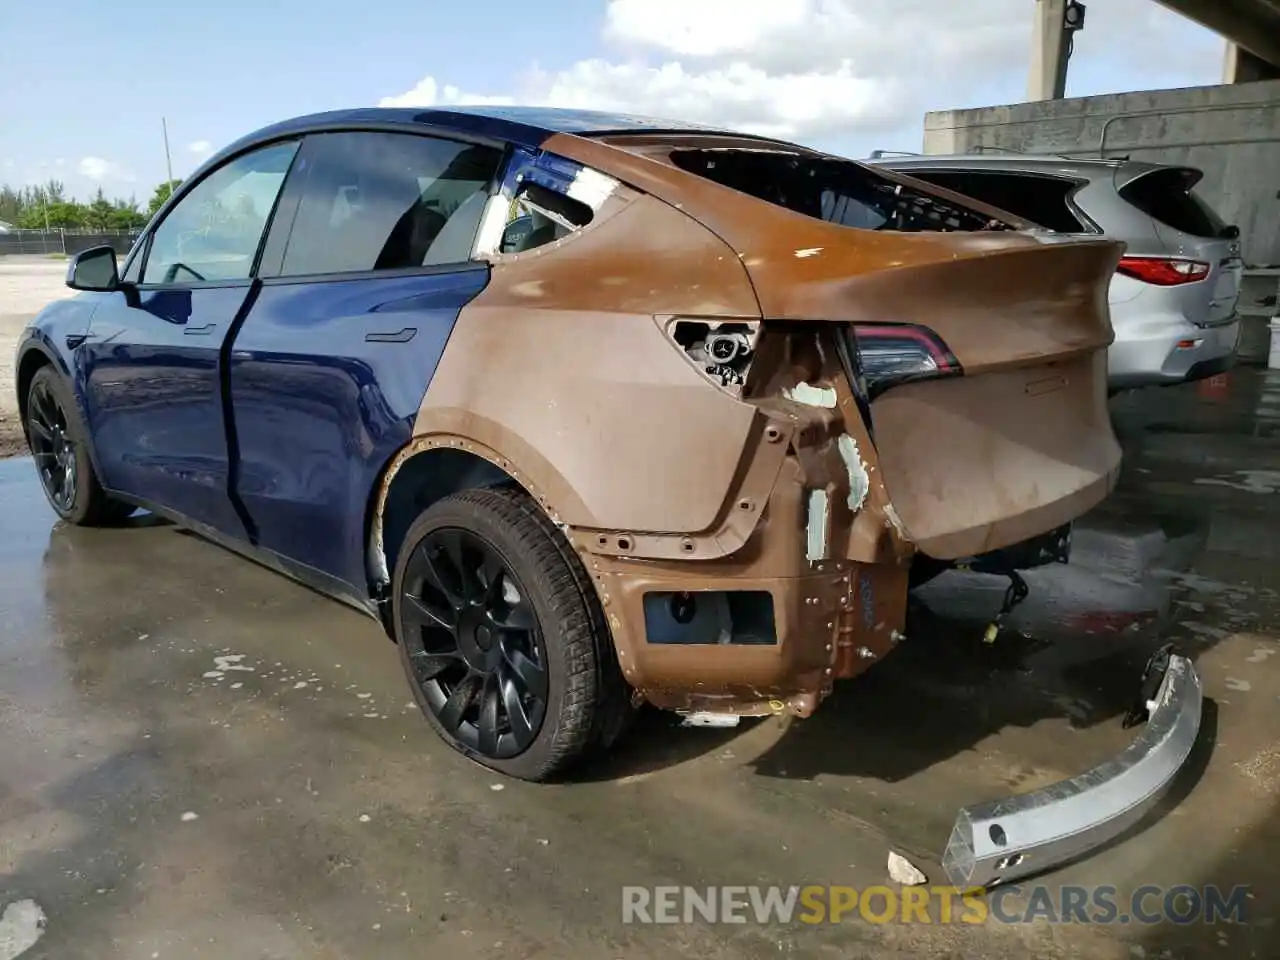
(204,331)
(400,336)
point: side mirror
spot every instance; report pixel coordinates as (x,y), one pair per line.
(94,269)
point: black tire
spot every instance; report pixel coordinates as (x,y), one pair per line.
(59,443)
(492,664)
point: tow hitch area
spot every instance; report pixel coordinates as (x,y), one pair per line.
(1005,840)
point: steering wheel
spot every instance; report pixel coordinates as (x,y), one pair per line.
(171,274)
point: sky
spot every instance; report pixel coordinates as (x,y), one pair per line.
(83,85)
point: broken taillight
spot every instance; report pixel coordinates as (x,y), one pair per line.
(1163,271)
(888,354)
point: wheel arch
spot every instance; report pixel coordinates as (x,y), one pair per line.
(31,358)
(423,472)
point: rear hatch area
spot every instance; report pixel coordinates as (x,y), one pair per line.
(1190,230)
(977,351)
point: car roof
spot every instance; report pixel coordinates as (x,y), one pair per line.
(1074,167)
(526,126)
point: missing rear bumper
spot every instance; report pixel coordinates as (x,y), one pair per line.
(1005,840)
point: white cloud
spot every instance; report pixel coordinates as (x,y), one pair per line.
(200,147)
(806,69)
(100,171)
(737,95)
(427,93)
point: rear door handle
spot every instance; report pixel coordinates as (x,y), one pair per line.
(400,336)
(204,331)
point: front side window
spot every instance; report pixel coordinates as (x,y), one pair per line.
(213,232)
(386,201)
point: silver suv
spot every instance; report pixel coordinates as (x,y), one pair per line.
(1173,299)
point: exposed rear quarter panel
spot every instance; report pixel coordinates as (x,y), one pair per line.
(560,366)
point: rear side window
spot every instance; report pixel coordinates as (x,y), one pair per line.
(539,216)
(1167,196)
(830,189)
(1041,200)
(386,201)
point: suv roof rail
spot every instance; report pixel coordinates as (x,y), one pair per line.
(881,154)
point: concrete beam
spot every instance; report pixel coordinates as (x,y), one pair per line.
(1049,52)
(1241,66)
(1254,25)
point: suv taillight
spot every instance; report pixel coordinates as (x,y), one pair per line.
(1163,271)
(889,354)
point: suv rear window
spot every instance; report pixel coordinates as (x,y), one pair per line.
(1039,199)
(1167,196)
(831,189)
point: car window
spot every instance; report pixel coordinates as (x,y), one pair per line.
(1166,195)
(538,216)
(213,231)
(831,189)
(386,201)
(1039,199)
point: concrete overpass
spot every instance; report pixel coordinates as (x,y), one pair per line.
(1251,28)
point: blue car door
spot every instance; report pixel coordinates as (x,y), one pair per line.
(364,274)
(150,365)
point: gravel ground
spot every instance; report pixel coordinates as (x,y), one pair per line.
(26,285)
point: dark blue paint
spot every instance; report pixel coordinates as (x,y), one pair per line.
(319,410)
(153,399)
(50,329)
(523,126)
(51,334)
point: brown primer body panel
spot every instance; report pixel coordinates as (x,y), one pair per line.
(560,372)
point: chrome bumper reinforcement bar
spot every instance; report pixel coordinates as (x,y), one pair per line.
(1004,840)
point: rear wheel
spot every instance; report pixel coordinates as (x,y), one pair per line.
(502,638)
(59,444)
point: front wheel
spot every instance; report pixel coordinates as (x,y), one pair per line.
(502,637)
(59,443)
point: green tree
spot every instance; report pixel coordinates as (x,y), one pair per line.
(54,213)
(125,215)
(54,190)
(162,193)
(11,205)
(99,213)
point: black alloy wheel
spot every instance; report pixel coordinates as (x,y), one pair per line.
(473,640)
(60,447)
(502,637)
(53,446)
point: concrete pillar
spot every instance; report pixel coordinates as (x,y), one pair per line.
(1244,67)
(1049,52)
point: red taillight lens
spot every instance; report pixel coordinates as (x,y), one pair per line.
(892,353)
(1163,271)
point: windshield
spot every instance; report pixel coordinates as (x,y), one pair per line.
(831,189)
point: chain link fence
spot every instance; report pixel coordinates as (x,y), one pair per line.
(65,241)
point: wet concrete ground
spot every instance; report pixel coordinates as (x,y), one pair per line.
(286,801)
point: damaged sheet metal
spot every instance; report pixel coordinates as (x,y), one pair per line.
(817,530)
(769,482)
(859,483)
(812,396)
